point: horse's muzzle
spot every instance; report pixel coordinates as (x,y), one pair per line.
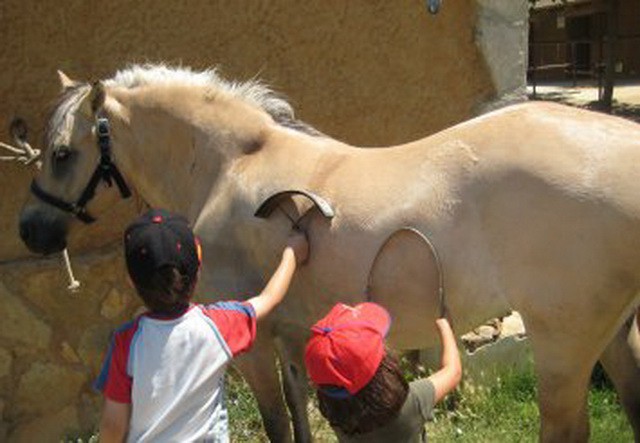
(42,230)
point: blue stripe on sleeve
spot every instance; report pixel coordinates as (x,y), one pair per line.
(245,308)
(100,382)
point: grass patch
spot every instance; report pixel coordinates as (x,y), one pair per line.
(245,422)
(503,411)
(608,422)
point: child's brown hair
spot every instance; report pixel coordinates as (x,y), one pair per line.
(163,257)
(373,406)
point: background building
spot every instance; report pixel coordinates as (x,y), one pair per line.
(568,40)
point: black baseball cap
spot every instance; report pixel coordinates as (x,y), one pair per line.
(157,239)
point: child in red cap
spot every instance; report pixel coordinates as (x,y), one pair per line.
(360,386)
(163,376)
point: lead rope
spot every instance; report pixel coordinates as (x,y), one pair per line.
(24,154)
(441,295)
(74,285)
(27,155)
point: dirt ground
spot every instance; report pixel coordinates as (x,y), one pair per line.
(626,96)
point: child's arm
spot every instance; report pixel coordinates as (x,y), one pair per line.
(114,425)
(447,378)
(295,253)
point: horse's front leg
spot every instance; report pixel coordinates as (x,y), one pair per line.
(290,344)
(621,361)
(260,371)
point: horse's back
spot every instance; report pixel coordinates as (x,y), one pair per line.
(584,154)
(551,208)
(581,154)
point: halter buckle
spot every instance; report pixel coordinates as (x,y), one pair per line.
(102,127)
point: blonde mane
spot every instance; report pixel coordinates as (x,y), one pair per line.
(251,91)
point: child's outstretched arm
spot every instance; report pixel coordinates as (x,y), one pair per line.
(295,253)
(447,378)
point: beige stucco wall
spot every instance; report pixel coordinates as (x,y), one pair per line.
(370,72)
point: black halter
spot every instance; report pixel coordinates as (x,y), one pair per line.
(106,170)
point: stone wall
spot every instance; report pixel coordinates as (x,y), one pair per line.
(368,72)
(52,343)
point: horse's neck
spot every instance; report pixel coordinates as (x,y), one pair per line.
(180,147)
(289,159)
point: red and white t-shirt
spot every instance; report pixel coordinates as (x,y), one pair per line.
(172,371)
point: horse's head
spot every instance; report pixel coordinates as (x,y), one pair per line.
(76,158)
(174,131)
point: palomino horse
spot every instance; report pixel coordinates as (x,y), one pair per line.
(535,207)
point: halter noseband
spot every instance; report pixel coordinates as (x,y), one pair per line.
(106,170)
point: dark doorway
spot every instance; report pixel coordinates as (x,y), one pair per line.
(579,36)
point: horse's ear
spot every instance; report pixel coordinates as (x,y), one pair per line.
(65,81)
(94,101)
(18,129)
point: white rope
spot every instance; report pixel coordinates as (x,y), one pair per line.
(11,148)
(24,154)
(74,285)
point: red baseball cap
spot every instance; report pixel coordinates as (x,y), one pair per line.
(347,346)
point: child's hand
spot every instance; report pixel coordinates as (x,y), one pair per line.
(443,324)
(296,251)
(444,328)
(297,241)
(448,376)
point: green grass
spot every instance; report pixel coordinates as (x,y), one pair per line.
(244,418)
(503,411)
(608,422)
(506,411)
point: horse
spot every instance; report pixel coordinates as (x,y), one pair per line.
(534,207)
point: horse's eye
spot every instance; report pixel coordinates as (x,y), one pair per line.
(62,153)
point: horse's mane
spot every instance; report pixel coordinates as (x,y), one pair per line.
(59,121)
(251,91)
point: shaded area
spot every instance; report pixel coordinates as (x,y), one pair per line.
(626,110)
(626,102)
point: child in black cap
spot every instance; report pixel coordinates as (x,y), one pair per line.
(163,375)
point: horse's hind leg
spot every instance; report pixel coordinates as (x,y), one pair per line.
(563,381)
(621,361)
(260,371)
(290,346)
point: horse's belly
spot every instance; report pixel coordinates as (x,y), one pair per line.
(405,278)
